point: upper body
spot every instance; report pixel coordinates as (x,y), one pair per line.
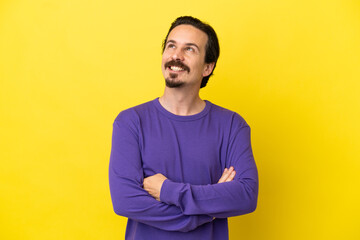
(192,152)
(180,165)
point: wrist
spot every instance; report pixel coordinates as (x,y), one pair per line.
(169,193)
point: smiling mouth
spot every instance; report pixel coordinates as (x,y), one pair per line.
(176,69)
(176,66)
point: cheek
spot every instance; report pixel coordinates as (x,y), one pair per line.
(163,61)
(200,68)
(165,58)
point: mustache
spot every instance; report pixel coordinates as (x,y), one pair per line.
(177,64)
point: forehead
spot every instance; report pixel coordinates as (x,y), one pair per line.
(184,34)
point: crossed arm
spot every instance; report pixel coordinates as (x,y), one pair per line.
(154,183)
(236,195)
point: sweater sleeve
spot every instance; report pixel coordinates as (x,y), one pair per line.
(126,178)
(224,199)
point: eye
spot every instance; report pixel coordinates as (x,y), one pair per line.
(171,45)
(190,49)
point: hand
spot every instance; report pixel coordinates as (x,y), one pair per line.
(153,185)
(228,175)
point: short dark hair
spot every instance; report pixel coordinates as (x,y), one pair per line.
(212,46)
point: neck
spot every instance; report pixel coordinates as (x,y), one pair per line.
(180,102)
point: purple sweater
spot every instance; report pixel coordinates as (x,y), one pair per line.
(192,152)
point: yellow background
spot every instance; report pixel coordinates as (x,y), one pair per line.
(68,67)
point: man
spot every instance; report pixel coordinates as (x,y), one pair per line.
(179,165)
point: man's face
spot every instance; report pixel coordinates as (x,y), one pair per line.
(183,60)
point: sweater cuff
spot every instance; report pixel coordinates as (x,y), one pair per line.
(170,192)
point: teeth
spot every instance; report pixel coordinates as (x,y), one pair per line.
(174,68)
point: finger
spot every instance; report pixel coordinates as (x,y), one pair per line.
(226,175)
(231,177)
(223,176)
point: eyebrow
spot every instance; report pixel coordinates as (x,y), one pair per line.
(187,44)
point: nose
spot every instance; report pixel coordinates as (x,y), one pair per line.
(178,54)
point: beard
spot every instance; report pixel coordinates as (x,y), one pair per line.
(172,83)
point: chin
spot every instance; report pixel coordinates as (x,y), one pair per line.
(173,83)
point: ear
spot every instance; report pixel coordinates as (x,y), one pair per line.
(208,69)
